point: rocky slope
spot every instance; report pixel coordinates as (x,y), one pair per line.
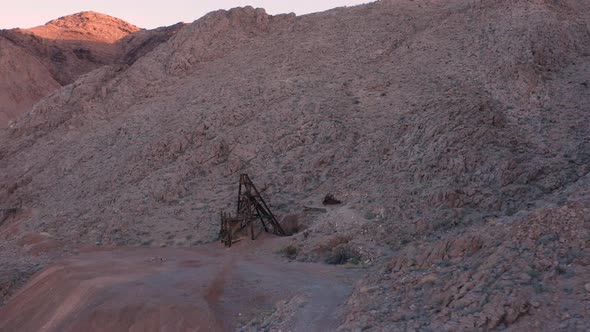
(429,119)
(25,80)
(36,61)
(527,273)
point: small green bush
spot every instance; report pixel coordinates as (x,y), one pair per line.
(290,252)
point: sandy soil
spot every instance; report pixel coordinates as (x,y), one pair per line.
(209,288)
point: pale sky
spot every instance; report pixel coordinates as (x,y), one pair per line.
(148,13)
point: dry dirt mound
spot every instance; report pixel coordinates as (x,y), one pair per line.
(209,289)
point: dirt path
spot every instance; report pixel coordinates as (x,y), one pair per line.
(209,288)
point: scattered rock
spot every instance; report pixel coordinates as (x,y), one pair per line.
(329,199)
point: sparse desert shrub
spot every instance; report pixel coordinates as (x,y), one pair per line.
(332,242)
(370,215)
(290,252)
(343,254)
(548,239)
(6,213)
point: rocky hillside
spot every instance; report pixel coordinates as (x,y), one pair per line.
(88,26)
(64,49)
(25,80)
(427,118)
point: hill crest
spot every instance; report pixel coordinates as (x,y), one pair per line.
(85,26)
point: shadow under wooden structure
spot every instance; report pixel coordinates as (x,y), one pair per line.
(251,207)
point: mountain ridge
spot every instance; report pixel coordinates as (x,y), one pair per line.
(455,133)
(86,24)
(67,48)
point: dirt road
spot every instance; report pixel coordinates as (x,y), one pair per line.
(210,288)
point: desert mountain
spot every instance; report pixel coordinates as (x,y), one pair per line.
(36,61)
(456,132)
(89,26)
(25,80)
